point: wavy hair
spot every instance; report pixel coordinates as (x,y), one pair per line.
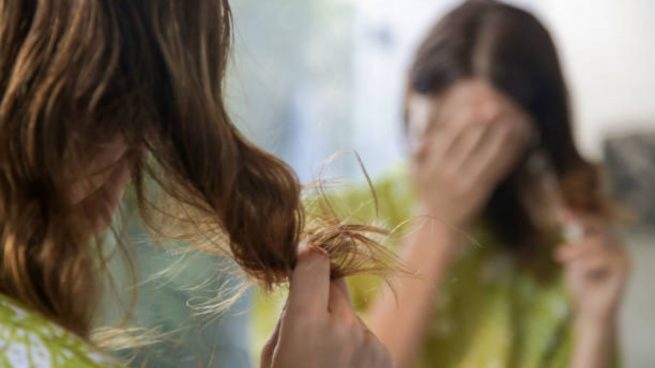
(77,74)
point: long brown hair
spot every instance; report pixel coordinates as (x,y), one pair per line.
(75,74)
(512,50)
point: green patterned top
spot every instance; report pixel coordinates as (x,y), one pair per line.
(491,311)
(29,340)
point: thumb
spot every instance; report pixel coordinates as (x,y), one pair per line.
(268,352)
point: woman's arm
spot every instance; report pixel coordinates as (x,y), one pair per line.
(596,271)
(400,320)
(594,343)
(456,165)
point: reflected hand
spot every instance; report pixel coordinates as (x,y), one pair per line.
(463,156)
(596,271)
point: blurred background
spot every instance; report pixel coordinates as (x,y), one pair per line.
(311,78)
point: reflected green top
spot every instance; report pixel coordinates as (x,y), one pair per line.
(492,311)
(29,340)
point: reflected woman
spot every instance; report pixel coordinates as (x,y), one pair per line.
(489,128)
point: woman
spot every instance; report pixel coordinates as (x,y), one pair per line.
(493,156)
(95,93)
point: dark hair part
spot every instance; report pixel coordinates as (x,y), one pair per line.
(511,49)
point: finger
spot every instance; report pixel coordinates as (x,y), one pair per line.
(343,286)
(593,268)
(381,356)
(421,152)
(470,142)
(566,252)
(374,353)
(420,110)
(446,130)
(310,282)
(486,159)
(339,303)
(580,249)
(268,351)
(426,161)
(489,111)
(443,148)
(597,264)
(447,139)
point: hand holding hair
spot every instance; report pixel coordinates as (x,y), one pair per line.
(596,267)
(318,327)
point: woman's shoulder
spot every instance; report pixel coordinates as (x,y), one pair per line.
(29,340)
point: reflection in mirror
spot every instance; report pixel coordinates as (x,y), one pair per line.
(353,98)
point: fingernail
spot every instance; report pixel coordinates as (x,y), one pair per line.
(319,250)
(304,246)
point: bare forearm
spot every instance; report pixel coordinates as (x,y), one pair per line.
(594,344)
(400,320)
